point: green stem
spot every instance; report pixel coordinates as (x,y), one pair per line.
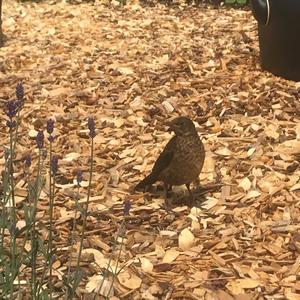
(48,258)
(13,215)
(109,261)
(6,194)
(51,204)
(16,131)
(72,242)
(23,251)
(118,258)
(33,230)
(85,212)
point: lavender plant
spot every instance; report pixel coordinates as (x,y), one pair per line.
(9,231)
(9,204)
(70,278)
(53,163)
(33,233)
(107,292)
(53,170)
(74,280)
(13,239)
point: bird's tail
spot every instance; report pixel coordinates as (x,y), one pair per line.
(150,179)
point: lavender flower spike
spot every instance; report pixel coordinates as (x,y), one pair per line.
(127,206)
(20,95)
(40,139)
(54,164)
(20,91)
(11,108)
(27,161)
(50,126)
(11,124)
(91,126)
(79,177)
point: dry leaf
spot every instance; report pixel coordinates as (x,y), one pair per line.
(223,152)
(129,280)
(245,184)
(147,266)
(170,256)
(186,239)
(238,286)
(97,281)
(211,202)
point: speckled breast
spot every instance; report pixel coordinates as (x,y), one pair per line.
(187,162)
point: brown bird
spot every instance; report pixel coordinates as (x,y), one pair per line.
(182,159)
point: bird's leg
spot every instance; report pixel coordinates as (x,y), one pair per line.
(167,204)
(165,191)
(192,198)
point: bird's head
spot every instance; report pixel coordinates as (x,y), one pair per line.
(182,126)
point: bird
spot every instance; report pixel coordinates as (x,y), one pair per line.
(181,160)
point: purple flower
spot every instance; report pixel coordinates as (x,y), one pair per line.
(44,153)
(50,138)
(54,164)
(91,126)
(20,95)
(50,126)
(20,104)
(11,108)
(20,91)
(11,124)
(79,177)
(27,161)
(127,206)
(40,139)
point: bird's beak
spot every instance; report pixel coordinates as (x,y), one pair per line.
(172,126)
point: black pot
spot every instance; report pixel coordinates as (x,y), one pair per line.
(279,36)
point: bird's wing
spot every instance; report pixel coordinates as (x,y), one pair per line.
(165,157)
(161,164)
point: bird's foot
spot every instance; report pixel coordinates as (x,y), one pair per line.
(168,203)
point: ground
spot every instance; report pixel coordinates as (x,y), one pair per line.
(133,67)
